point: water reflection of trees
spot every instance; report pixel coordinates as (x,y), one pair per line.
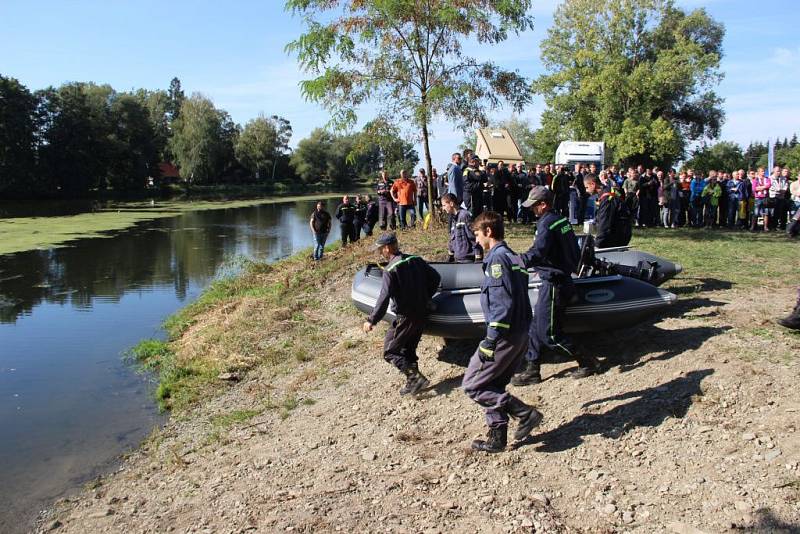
(169,253)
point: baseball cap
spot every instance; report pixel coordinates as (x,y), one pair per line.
(539,193)
(386,238)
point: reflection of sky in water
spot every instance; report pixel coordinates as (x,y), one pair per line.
(68,403)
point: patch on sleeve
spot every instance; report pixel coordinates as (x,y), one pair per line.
(497,270)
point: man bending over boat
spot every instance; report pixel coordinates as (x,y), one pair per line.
(462,247)
(554,255)
(409,282)
(507,309)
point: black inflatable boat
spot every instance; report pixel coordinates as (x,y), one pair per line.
(628,262)
(604,302)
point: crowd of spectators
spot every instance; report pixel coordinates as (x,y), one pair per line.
(737,199)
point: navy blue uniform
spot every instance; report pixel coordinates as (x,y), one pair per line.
(612,221)
(462,239)
(507,311)
(473,190)
(346,213)
(555,256)
(408,283)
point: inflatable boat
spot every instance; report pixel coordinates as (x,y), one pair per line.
(628,262)
(603,302)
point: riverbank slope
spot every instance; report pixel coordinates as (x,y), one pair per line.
(694,425)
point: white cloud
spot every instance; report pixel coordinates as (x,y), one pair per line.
(785,57)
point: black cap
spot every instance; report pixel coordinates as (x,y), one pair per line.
(386,238)
(539,193)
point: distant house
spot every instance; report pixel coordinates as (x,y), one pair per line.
(169,173)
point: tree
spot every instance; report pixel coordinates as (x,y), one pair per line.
(156,103)
(380,146)
(723,156)
(637,74)
(784,157)
(18,131)
(262,141)
(202,140)
(310,157)
(409,57)
(134,154)
(75,146)
(175,99)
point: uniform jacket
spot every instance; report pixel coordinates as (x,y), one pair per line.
(361,212)
(613,229)
(462,238)
(346,213)
(504,293)
(473,180)
(372,212)
(408,283)
(555,252)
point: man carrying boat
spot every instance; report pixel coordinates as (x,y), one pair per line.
(555,256)
(505,304)
(462,247)
(409,283)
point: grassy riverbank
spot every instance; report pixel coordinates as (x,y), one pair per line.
(269,315)
(305,430)
(18,234)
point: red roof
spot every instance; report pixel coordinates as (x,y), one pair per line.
(168,170)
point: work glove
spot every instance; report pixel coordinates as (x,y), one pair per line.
(486,350)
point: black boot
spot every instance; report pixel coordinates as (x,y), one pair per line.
(415,381)
(792,320)
(529,417)
(495,442)
(587,366)
(530,375)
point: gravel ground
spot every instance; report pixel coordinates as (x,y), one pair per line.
(693,428)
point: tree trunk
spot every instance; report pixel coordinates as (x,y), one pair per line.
(428,167)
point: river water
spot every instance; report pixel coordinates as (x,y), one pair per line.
(70,404)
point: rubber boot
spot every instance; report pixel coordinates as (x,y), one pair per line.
(529,418)
(415,381)
(530,375)
(792,320)
(587,366)
(496,441)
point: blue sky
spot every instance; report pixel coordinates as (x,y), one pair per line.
(233,53)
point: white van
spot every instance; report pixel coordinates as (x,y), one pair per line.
(586,152)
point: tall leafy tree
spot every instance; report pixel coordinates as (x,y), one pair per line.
(18,134)
(202,140)
(75,146)
(310,157)
(381,146)
(637,74)
(134,153)
(408,56)
(175,99)
(156,102)
(261,143)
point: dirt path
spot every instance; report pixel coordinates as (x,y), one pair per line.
(694,426)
